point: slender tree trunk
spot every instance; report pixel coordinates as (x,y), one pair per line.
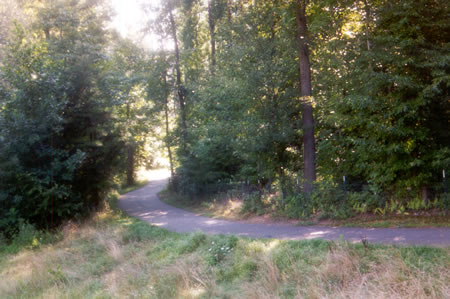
(282,185)
(130,154)
(212,26)
(180,89)
(367,20)
(367,23)
(229,11)
(130,164)
(166,113)
(306,94)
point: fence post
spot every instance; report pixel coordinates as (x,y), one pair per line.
(345,188)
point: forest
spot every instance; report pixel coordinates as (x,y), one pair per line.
(309,107)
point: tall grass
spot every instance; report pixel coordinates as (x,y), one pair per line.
(114,256)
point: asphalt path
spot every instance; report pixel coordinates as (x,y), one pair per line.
(145,205)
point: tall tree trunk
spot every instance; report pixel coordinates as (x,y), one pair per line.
(180,88)
(306,94)
(166,113)
(130,153)
(212,32)
(367,20)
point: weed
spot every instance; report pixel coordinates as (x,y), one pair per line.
(252,203)
(139,231)
(219,248)
(57,276)
(194,241)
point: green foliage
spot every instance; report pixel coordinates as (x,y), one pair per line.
(209,164)
(389,129)
(381,88)
(298,206)
(26,237)
(35,175)
(139,231)
(252,203)
(220,248)
(330,200)
(195,241)
(59,145)
(366,200)
(78,104)
(128,85)
(57,275)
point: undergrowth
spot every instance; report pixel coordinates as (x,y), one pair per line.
(239,206)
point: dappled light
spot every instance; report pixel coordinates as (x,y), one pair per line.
(224,149)
(211,222)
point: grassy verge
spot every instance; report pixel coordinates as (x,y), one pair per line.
(117,256)
(394,221)
(223,206)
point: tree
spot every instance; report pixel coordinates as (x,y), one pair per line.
(389,107)
(216,10)
(306,97)
(59,146)
(181,90)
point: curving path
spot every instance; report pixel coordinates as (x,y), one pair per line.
(145,205)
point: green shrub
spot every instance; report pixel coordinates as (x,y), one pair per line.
(193,242)
(219,248)
(27,237)
(241,270)
(366,200)
(331,200)
(140,231)
(252,203)
(298,206)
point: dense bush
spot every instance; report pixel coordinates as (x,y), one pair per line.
(58,141)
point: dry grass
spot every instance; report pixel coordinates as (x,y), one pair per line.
(123,258)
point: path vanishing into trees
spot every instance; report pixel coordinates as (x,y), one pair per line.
(145,205)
